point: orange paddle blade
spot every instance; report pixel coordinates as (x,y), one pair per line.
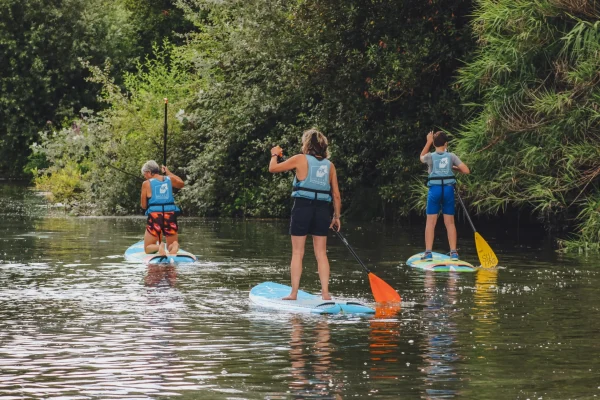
(386,311)
(382,291)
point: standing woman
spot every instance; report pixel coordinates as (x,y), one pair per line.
(157,199)
(315,186)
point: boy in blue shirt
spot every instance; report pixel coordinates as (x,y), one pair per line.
(441,166)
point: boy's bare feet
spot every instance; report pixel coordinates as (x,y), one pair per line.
(325,296)
(292,296)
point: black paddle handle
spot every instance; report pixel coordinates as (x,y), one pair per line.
(165,135)
(164,230)
(466,212)
(343,239)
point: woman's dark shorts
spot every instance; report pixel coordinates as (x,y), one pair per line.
(155,225)
(310,217)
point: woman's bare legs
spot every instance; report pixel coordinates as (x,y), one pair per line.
(320,246)
(296,265)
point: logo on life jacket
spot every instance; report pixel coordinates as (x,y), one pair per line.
(163,192)
(318,175)
(443,164)
(322,171)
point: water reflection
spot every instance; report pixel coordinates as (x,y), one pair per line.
(311,361)
(161,275)
(485,298)
(78,322)
(439,351)
(383,342)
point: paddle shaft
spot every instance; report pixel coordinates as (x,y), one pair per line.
(164,150)
(126,173)
(343,239)
(164,228)
(165,135)
(466,212)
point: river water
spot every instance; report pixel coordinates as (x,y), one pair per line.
(79,322)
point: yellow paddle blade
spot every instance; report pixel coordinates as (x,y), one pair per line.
(382,292)
(487,258)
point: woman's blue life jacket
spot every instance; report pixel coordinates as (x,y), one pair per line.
(316,186)
(441,169)
(162,196)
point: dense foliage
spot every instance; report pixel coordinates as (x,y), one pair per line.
(99,157)
(374,76)
(535,139)
(157,21)
(42,47)
(517,81)
(41,76)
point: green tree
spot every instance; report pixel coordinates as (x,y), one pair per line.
(110,146)
(41,77)
(155,21)
(374,76)
(534,141)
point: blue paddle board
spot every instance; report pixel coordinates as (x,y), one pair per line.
(270,294)
(440,263)
(136,253)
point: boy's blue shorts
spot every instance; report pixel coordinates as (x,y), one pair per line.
(434,199)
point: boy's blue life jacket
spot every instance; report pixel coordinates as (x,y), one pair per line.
(316,185)
(441,169)
(162,196)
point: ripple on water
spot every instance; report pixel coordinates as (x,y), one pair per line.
(77,322)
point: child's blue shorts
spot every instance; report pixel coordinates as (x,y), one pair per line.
(434,199)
